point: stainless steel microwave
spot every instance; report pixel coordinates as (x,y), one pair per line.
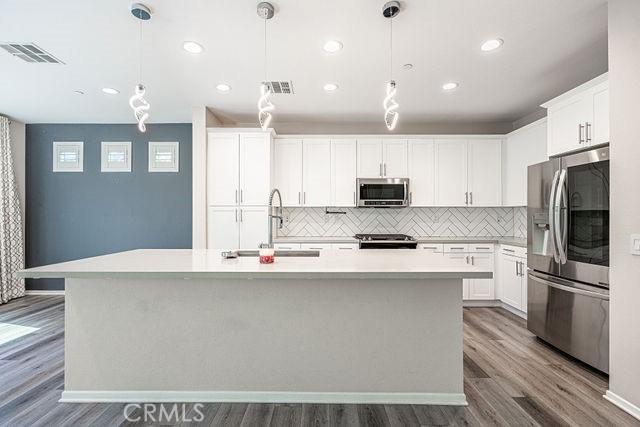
(382,192)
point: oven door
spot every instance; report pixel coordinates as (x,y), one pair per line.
(581,217)
(382,192)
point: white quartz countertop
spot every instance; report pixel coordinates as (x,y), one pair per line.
(331,264)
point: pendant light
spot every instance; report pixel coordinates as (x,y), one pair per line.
(390,10)
(265,107)
(137,102)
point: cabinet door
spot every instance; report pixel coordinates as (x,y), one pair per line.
(288,170)
(482,289)
(510,283)
(451,172)
(484,172)
(370,158)
(222,228)
(345,246)
(564,131)
(599,131)
(316,181)
(422,173)
(315,246)
(254,228)
(255,172)
(394,164)
(223,169)
(343,172)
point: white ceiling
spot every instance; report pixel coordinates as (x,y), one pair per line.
(550,46)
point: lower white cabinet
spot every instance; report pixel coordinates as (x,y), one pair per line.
(512,273)
(315,246)
(345,246)
(481,289)
(474,254)
(287,246)
(236,227)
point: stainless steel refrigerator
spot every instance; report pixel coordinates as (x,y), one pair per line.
(568,254)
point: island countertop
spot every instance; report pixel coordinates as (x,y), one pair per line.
(202,263)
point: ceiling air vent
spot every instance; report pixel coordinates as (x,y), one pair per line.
(281,87)
(30,52)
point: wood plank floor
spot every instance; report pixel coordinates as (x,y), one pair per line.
(510,379)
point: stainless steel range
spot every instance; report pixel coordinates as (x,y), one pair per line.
(386,241)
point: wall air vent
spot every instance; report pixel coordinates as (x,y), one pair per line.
(30,52)
(281,87)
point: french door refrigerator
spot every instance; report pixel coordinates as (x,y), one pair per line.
(568,254)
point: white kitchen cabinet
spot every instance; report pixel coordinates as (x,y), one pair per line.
(521,149)
(512,278)
(287,246)
(421,168)
(451,172)
(223,231)
(369,156)
(315,246)
(316,171)
(288,170)
(579,118)
(343,172)
(233,227)
(484,172)
(481,289)
(345,246)
(253,226)
(394,158)
(223,169)
(432,248)
(255,169)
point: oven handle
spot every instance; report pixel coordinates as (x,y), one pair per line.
(561,235)
(552,227)
(569,288)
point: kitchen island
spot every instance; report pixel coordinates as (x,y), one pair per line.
(377,326)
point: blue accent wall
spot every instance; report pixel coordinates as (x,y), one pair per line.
(73,215)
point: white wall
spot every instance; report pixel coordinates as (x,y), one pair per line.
(624,78)
(17,132)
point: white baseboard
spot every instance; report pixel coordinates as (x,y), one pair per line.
(454,399)
(481,303)
(43,292)
(514,310)
(623,404)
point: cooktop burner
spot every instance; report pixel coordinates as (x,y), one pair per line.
(386,241)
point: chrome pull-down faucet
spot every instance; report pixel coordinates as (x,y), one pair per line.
(272,216)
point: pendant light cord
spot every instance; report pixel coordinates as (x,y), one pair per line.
(265,48)
(391,48)
(140,55)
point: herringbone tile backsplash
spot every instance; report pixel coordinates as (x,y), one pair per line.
(419,222)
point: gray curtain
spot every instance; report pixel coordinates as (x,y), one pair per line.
(11,240)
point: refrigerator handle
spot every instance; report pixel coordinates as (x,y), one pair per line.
(566,288)
(561,235)
(552,227)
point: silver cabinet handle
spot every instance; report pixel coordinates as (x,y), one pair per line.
(456,249)
(241,198)
(517,271)
(385,169)
(472,260)
(236,195)
(304,197)
(580,127)
(430,247)
(586,132)
(471,198)
(299,201)
(466,198)
(236,215)
(508,250)
(240,215)
(354,197)
(467,259)
(380,169)
(410,197)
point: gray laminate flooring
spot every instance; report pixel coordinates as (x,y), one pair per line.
(510,379)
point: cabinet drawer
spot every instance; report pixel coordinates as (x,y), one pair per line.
(515,251)
(345,246)
(456,247)
(436,248)
(287,246)
(315,246)
(481,247)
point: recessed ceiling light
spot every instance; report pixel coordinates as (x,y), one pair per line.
(492,44)
(332,46)
(223,87)
(330,87)
(110,91)
(78,92)
(450,86)
(192,47)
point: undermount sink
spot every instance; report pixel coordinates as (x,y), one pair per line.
(255,253)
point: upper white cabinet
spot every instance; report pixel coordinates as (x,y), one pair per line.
(451,172)
(521,149)
(343,172)
(288,170)
(382,158)
(422,172)
(255,169)
(316,170)
(579,118)
(484,172)
(238,169)
(223,169)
